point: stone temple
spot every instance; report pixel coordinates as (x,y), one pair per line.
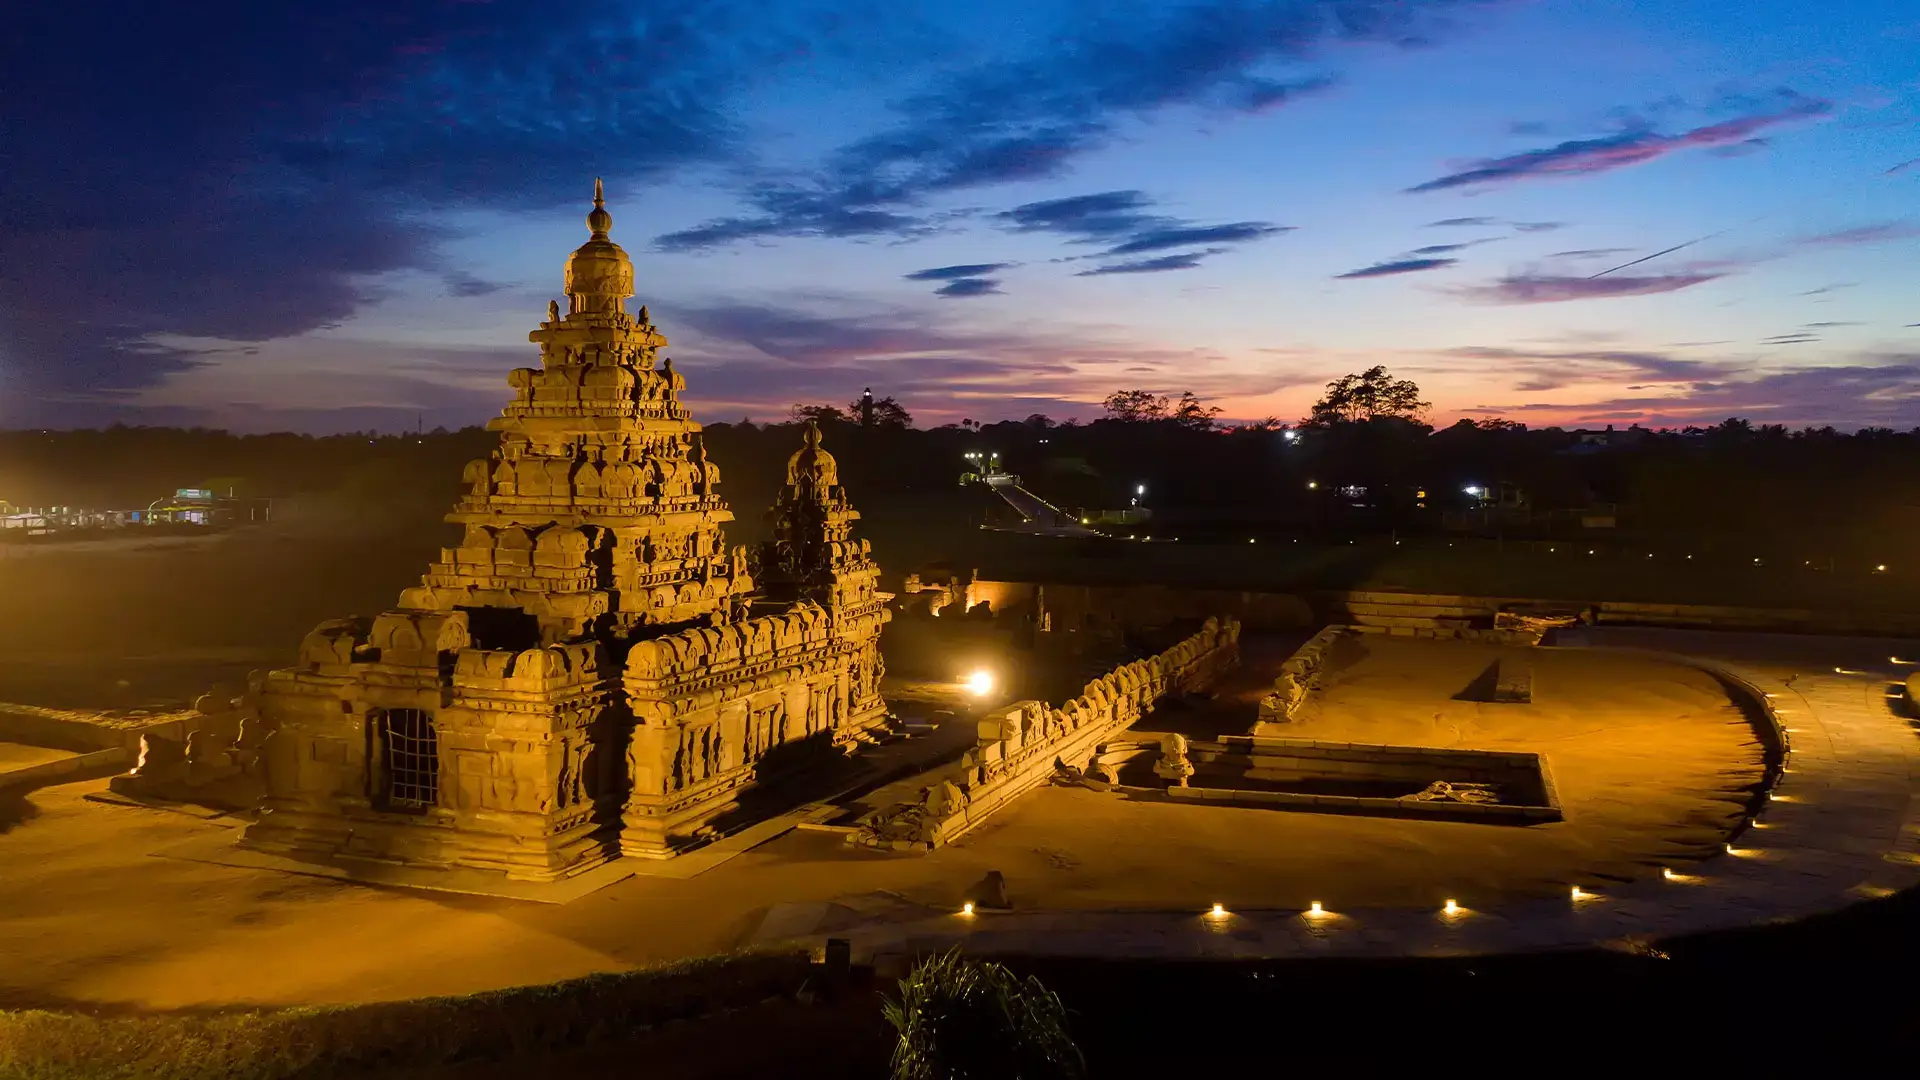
(592,672)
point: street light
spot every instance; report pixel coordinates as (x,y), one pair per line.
(1140,489)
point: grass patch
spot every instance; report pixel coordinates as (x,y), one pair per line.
(352,1040)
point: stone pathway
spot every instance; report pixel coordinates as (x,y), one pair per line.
(1843,824)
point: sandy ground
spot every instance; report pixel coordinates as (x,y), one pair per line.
(1648,757)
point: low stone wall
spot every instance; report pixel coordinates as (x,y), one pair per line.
(84,732)
(1020,745)
(1072,606)
(1298,678)
(1455,633)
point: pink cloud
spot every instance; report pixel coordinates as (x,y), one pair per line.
(1582,156)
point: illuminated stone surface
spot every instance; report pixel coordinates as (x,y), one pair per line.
(592,671)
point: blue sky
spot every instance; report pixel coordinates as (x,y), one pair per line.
(347,215)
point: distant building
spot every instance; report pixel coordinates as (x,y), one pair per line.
(1591,440)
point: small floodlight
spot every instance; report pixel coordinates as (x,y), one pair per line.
(1667,872)
(1315,909)
(1473,490)
(1219,911)
(966,908)
(979,682)
(1140,489)
(1451,908)
(1290,435)
(1880,568)
(1313,485)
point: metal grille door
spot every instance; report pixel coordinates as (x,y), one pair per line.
(413,758)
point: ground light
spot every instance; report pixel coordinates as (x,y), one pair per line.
(1578,894)
(979,682)
(1451,908)
(1219,911)
(1314,910)
(966,908)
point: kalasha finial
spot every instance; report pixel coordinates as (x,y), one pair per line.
(599,220)
(812,435)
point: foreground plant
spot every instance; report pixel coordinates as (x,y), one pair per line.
(960,1019)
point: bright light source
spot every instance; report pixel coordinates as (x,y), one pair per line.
(1451,908)
(1290,435)
(979,683)
(1897,660)
(1880,569)
(1577,894)
(1313,485)
(1083,521)
(966,908)
(1140,489)
(1667,872)
(1473,489)
(1250,539)
(1315,909)
(1219,911)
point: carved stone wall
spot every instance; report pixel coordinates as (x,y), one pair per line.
(1020,746)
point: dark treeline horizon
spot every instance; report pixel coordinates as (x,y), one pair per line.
(1735,479)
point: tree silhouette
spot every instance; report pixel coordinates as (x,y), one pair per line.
(1371,395)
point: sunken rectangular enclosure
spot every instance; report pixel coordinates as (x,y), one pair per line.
(1492,787)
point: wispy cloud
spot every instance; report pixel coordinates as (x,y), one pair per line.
(1187,236)
(1030,118)
(1551,369)
(1590,253)
(1578,157)
(1402,266)
(965,287)
(463,284)
(1529,288)
(1184,261)
(1880,389)
(1124,224)
(948,273)
(1877,233)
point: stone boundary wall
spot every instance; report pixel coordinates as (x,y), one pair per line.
(1298,678)
(1019,745)
(1074,605)
(1453,633)
(83,732)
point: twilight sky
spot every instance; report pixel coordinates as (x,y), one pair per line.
(338,215)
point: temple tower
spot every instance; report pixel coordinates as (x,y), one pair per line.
(590,671)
